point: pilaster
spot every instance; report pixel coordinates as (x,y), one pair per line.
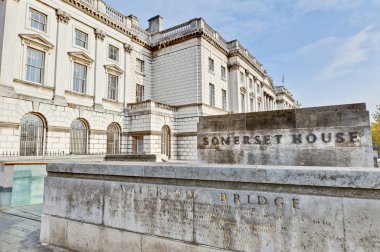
(61,59)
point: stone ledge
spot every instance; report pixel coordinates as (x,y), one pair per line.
(359,178)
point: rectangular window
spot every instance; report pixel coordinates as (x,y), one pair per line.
(224,99)
(242,103)
(113,53)
(212,94)
(138,145)
(81,38)
(38,20)
(139,66)
(35,65)
(223,72)
(112,87)
(242,78)
(80,78)
(139,93)
(211,64)
(250,83)
(251,104)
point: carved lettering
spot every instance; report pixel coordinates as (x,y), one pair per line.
(267,139)
(246,140)
(261,200)
(225,141)
(297,138)
(223,197)
(237,198)
(279,202)
(311,138)
(339,137)
(278,138)
(324,138)
(236,140)
(205,141)
(353,136)
(257,140)
(215,141)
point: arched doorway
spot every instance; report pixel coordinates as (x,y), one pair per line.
(78,137)
(32,135)
(165,141)
(113,139)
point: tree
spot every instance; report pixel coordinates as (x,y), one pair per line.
(376,114)
(375,127)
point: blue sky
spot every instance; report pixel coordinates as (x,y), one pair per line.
(328,50)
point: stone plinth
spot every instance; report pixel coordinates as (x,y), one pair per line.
(177,207)
(321,136)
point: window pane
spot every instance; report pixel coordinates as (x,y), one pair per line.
(35,65)
(38,20)
(79,78)
(81,38)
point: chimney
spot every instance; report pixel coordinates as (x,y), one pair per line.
(134,20)
(155,24)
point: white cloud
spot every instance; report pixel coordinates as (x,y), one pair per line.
(352,52)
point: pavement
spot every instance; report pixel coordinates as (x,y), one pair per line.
(20,230)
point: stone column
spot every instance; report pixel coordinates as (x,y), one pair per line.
(61,58)
(100,78)
(127,71)
(8,35)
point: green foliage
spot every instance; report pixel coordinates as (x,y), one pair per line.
(376,114)
(375,127)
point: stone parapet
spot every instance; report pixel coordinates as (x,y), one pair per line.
(192,207)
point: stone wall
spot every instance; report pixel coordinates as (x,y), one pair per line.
(328,136)
(179,207)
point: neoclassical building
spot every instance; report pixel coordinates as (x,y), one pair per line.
(78,77)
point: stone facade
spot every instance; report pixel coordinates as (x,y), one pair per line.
(80,63)
(181,207)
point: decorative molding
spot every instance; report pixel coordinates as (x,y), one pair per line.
(259,99)
(233,66)
(114,69)
(128,48)
(247,72)
(36,40)
(80,57)
(100,34)
(63,16)
(251,95)
(243,90)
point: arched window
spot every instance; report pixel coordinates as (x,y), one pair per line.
(113,139)
(165,141)
(78,137)
(32,136)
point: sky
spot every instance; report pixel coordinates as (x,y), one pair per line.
(327,50)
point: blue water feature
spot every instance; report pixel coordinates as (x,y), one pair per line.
(28,185)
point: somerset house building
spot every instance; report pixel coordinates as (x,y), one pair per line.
(78,77)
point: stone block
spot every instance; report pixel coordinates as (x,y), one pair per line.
(321,136)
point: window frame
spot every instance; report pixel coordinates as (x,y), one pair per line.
(76,30)
(31,20)
(84,88)
(41,68)
(140,66)
(140,92)
(223,73)
(224,99)
(211,64)
(111,53)
(112,90)
(211,94)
